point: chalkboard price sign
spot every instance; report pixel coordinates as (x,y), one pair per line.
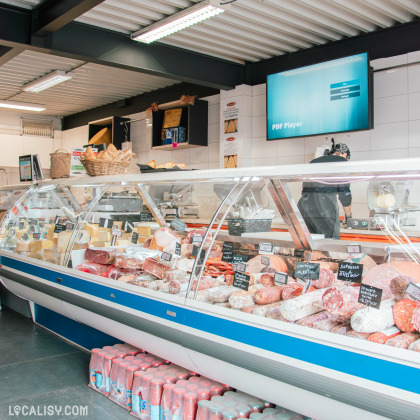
(350,272)
(37,236)
(370,296)
(21,225)
(307,270)
(178,225)
(177,248)
(239,258)
(227,252)
(146,216)
(281,278)
(105,223)
(241,280)
(299,253)
(59,228)
(134,237)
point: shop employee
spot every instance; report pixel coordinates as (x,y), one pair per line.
(318,204)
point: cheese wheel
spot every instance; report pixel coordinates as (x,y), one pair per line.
(103,136)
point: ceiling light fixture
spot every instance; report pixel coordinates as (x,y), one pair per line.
(179,21)
(22,105)
(45,82)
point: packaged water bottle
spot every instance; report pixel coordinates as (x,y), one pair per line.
(136,396)
(177,403)
(99,368)
(169,379)
(229,414)
(255,405)
(243,411)
(203,410)
(92,368)
(216,389)
(156,389)
(145,392)
(107,373)
(129,385)
(215,412)
(203,394)
(166,401)
(107,348)
(122,372)
(192,387)
(195,379)
(190,406)
(129,358)
(113,391)
(205,383)
(256,416)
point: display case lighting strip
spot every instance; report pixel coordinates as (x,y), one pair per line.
(179,21)
(54,78)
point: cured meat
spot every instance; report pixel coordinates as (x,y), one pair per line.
(200,296)
(115,273)
(326,279)
(415,346)
(370,320)
(200,232)
(308,321)
(303,305)
(242,298)
(163,238)
(262,310)
(249,309)
(100,255)
(255,265)
(266,279)
(403,341)
(275,313)
(221,294)
(381,337)
(355,334)
(174,286)
(147,243)
(134,257)
(398,285)
(156,268)
(364,259)
(223,305)
(403,314)
(176,275)
(293,290)
(381,275)
(342,329)
(342,301)
(268,295)
(327,324)
(93,268)
(416,318)
(184,264)
(205,283)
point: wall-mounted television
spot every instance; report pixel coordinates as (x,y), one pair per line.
(329,97)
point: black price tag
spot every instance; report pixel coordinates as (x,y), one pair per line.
(102,222)
(134,237)
(240,267)
(178,225)
(370,296)
(146,216)
(37,236)
(266,248)
(21,225)
(197,239)
(41,225)
(354,249)
(241,280)
(227,252)
(11,224)
(194,251)
(31,228)
(177,248)
(33,222)
(116,232)
(299,253)
(25,237)
(307,270)
(239,258)
(128,227)
(69,226)
(281,278)
(413,290)
(202,255)
(166,256)
(350,272)
(113,240)
(59,228)
(265,261)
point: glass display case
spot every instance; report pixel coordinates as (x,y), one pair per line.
(234,244)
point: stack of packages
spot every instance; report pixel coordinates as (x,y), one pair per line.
(235,405)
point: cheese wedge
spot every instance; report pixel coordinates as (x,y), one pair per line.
(144,230)
(104,236)
(38,245)
(22,246)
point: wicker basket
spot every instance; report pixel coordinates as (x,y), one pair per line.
(95,167)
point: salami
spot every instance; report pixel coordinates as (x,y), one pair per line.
(381,337)
(249,309)
(326,279)
(370,320)
(266,279)
(176,275)
(308,321)
(341,301)
(403,315)
(355,334)
(242,298)
(275,313)
(398,285)
(255,265)
(303,305)
(364,259)
(201,296)
(403,341)
(261,310)
(205,283)
(415,346)
(327,324)
(221,294)
(416,318)
(293,290)
(268,295)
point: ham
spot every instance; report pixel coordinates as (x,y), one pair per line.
(342,301)
(255,265)
(156,268)
(163,238)
(100,255)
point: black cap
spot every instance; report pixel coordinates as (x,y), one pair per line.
(340,147)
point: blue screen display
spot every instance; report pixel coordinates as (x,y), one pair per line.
(323,98)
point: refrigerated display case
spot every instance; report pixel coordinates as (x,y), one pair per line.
(241,292)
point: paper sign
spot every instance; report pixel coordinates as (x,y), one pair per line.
(281,278)
(76,167)
(266,248)
(413,290)
(166,256)
(354,249)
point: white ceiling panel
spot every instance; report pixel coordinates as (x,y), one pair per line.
(252,30)
(92,85)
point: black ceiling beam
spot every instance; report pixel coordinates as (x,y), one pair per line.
(92,44)
(51,15)
(388,42)
(137,104)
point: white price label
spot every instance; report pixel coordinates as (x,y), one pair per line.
(166,256)
(354,249)
(413,290)
(281,278)
(116,232)
(197,239)
(266,248)
(241,267)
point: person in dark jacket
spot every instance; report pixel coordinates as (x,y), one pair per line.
(318,204)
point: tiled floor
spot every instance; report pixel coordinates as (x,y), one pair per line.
(38,369)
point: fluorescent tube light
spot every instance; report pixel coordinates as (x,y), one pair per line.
(179,21)
(45,82)
(22,105)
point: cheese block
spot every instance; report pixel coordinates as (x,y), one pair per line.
(19,233)
(35,255)
(93,229)
(117,223)
(142,239)
(50,253)
(81,242)
(144,230)
(51,235)
(38,245)
(122,242)
(104,236)
(22,246)
(103,136)
(80,245)
(99,244)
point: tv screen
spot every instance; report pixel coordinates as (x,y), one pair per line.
(328,97)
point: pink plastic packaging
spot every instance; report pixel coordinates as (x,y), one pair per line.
(136,395)
(106,372)
(190,406)
(92,368)
(118,394)
(115,365)
(99,368)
